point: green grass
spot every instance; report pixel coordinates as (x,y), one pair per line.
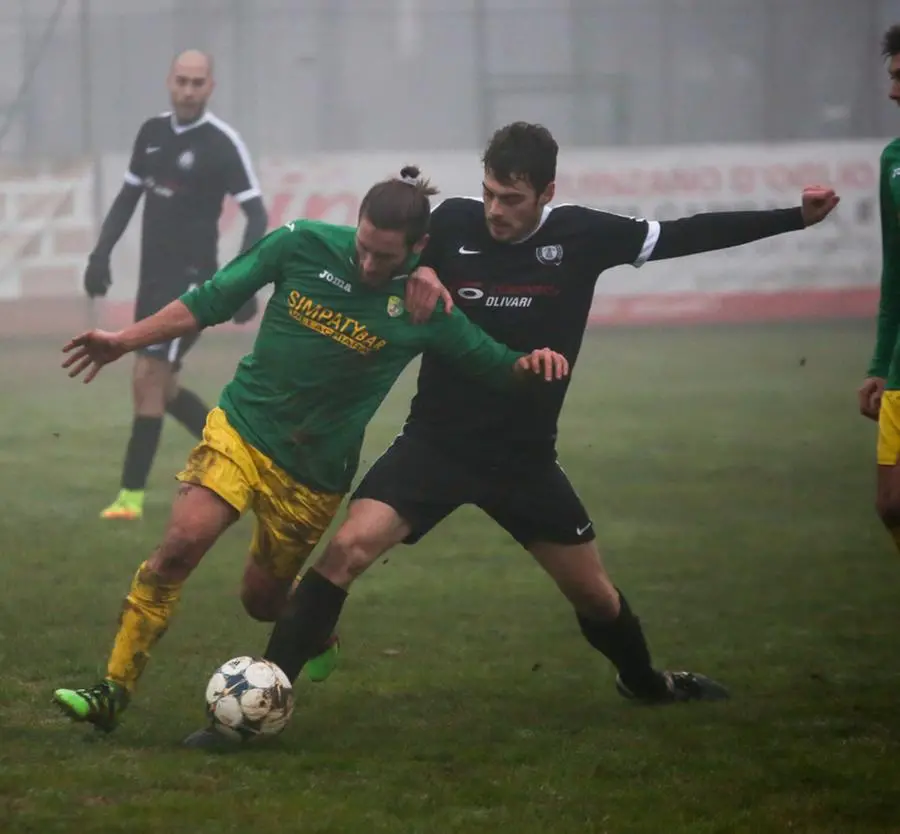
(732,488)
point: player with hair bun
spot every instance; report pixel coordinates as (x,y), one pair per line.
(285,438)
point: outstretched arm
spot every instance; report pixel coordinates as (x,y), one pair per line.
(204,306)
(721,230)
(96,348)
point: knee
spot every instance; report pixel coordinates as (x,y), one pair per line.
(261,606)
(263,595)
(346,557)
(150,385)
(181,551)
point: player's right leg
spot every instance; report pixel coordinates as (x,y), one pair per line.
(198,518)
(217,486)
(888,454)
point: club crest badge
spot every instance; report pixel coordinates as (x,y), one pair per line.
(550,255)
(395,307)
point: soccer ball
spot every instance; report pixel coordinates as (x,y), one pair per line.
(249,697)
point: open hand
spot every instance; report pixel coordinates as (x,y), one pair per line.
(543,362)
(93,350)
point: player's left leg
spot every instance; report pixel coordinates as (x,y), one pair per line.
(406,493)
(544,514)
(291,519)
(308,617)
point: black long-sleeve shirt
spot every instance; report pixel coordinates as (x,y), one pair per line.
(536,293)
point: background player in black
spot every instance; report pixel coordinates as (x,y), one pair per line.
(525,272)
(184,163)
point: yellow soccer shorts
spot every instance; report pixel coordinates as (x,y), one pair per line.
(889,429)
(290,517)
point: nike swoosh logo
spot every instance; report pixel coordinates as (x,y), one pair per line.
(152,149)
(464,251)
(582,530)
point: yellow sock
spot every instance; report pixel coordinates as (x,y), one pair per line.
(144,619)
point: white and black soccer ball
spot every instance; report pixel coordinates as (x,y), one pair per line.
(249,697)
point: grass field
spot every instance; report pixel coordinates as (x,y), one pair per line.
(731,482)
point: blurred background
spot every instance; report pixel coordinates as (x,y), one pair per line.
(727,470)
(302,76)
(662,108)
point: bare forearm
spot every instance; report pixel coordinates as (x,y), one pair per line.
(172,321)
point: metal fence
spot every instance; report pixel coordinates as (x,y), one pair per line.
(299,76)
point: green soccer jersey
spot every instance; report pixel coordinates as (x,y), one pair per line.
(328,349)
(886,359)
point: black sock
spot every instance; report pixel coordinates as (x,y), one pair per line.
(309,619)
(189,410)
(622,642)
(141,450)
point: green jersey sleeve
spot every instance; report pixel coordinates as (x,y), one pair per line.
(219,298)
(889,303)
(457,339)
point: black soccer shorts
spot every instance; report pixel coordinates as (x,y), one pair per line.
(172,351)
(154,294)
(424,485)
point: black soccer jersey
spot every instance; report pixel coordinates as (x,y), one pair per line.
(185,172)
(530,294)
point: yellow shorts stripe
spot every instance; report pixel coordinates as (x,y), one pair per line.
(889,429)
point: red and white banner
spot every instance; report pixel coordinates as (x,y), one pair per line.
(829,270)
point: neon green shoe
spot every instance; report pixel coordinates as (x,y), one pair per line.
(319,668)
(99,705)
(129,505)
